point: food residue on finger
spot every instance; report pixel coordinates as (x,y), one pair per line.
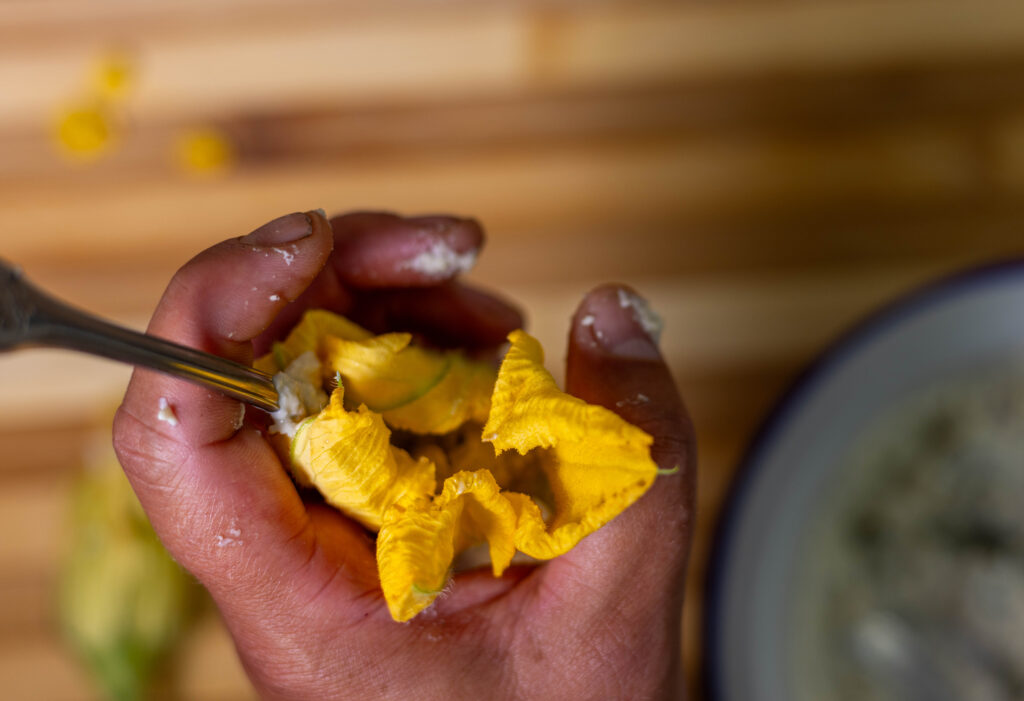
(233,536)
(289,256)
(240,418)
(439,453)
(642,312)
(636,400)
(166,413)
(440,260)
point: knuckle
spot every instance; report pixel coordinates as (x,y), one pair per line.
(151,458)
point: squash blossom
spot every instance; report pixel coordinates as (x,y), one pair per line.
(438,453)
(123,602)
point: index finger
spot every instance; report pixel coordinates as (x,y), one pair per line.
(213,488)
(394,273)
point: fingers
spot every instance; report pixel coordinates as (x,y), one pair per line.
(450,315)
(391,273)
(325,292)
(379,249)
(614,361)
(214,490)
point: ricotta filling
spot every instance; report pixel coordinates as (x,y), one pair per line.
(299,394)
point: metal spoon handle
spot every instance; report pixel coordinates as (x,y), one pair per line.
(29,317)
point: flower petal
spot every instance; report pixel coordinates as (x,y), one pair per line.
(462,449)
(417,389)
(463,394)
(385,372)
(349,458)
(597,465)
(419,540)
(315,326)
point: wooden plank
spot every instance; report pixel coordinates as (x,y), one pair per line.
(965,97)
(49,451)
(51,387)
(35,515)
(28,606)
(659,42)
(205,69)
(678,175)
(208,666)
(43,668)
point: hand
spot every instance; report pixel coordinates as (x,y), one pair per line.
(296,582)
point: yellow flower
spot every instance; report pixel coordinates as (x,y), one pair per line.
(419,540)
(348,457)
(88,128)
(415,389)
(556,468)
(205,151)
(85,132)
(385,372)
(113,75)
(316,326)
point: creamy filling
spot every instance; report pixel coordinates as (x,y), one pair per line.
(441,260)
(299,394)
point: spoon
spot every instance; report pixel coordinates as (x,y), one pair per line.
(30,318)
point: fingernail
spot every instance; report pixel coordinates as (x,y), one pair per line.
(623,323)
(286,229)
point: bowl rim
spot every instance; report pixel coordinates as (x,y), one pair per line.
(849,341)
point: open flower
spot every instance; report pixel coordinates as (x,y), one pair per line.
(439,453)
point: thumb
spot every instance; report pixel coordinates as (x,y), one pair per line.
(639,558)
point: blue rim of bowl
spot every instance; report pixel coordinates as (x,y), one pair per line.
(846,344)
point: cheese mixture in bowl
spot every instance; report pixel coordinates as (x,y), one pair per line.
(914,584)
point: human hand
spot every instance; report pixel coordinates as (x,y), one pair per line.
(296,582)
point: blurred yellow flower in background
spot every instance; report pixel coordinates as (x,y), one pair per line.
(94,124)
(85,133)
(123,602)
(88,128)
(204,151)
(114,74)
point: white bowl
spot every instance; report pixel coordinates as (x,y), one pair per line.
(754,592)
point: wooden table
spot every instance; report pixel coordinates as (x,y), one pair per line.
(765,172)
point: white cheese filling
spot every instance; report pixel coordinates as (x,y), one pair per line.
(299,394)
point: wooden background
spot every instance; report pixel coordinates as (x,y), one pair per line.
(765,171)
